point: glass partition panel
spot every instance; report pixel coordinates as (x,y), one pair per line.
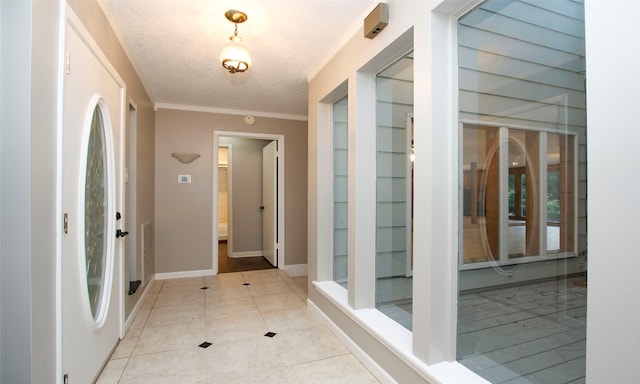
(394,286)
(340,192)
(523,252)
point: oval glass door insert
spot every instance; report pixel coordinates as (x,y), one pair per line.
(95,213)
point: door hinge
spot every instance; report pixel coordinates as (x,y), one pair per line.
(65,223)
(67,63)
(65,378)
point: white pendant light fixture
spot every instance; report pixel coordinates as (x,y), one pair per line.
(235,55)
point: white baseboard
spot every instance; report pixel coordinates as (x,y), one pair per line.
(246,254)
(136,308)
(294,270)
(182,274)
(359,354)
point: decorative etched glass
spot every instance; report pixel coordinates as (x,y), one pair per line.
(95,209)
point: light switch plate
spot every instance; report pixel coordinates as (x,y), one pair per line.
(184,179)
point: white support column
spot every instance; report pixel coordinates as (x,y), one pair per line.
(325,195)
(362,191)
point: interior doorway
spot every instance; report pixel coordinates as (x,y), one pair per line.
(133,258)
(248,192)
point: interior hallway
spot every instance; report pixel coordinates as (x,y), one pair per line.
(228,264)
(233,313)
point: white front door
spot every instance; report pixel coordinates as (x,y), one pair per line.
(91,199)
(269,202)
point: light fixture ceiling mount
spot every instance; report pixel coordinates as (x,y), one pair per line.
(235,55)
(236,17)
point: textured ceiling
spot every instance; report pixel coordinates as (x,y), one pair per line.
(175,46)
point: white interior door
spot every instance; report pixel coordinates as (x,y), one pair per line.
(270,203)
(91,187)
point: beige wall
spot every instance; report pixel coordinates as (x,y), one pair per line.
(94,20)
(184,212)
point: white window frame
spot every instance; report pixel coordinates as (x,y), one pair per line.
(431,348)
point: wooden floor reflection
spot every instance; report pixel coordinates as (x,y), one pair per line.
(228,264)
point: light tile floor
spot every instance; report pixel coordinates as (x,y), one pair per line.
(162,344)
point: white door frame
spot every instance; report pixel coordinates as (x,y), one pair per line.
(130,135)
(281,178)
(270,191)
(229,148)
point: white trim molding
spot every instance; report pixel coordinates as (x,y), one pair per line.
(226,111)
(238,255)
(295,270)
(395,337)
(132,316)
(183,274)
(373,367)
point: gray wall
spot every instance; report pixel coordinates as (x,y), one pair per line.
(28,158)
(246,189)
(15,151)
(184,212)
(43,180)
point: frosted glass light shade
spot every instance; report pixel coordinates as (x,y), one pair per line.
(235,56)
(185,158)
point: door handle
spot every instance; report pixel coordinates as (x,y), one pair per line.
(120,233)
